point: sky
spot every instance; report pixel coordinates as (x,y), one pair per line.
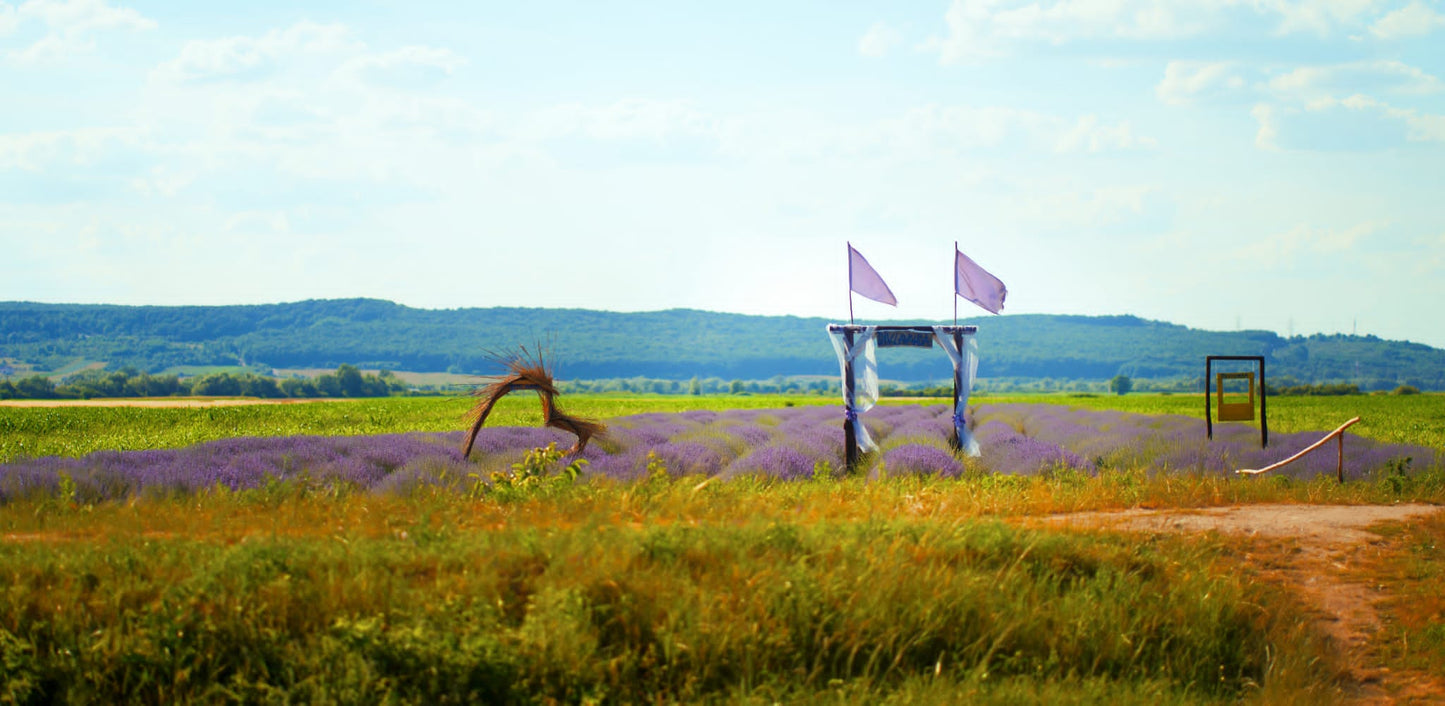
(1223,164)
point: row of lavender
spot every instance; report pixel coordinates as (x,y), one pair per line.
(786,444)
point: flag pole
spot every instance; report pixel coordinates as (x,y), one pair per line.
(850,282)
(955,284)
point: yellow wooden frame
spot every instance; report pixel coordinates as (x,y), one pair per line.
(1234,411)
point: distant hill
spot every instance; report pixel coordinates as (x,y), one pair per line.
(675,344)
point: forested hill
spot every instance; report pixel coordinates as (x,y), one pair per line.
(676,344)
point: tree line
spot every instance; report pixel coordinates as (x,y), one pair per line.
(673,345)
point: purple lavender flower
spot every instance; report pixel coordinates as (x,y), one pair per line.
(781,462)
(936,422)
(237,464)
(688,458)
(647,429)
(698,416)
(748,435)
(785,444)
(921,459)
(1007,451)
(626,465)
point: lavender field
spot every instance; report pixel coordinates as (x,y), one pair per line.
(697,556)
(786,444)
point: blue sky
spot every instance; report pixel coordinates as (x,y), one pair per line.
(1218,163)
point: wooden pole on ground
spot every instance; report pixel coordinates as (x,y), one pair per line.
(957,375)
(1340,458)
(1208,413)
(850,439)
(1264,412)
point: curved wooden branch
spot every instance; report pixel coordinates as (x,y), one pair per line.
(525,373)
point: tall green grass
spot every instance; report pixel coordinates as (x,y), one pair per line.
(658,591)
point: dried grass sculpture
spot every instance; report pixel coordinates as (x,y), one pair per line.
(526,371)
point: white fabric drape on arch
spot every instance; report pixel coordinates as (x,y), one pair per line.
(965,365)
(865,376)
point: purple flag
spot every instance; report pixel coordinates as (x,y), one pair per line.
(863,279)
(976,285)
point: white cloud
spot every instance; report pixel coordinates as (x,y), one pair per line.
(47,49)
(963,127)
(923,132)
(622,120)
(1319,17)
(1354,122)
(162,181)
(879,40)
(1191,82)
(1067,19)
(239,57)
(1425,127)
(978,29)
(69,26)
(82,15)
(1076,207)
(981,29)
(1185,82)
(313,128)
(258,222)
(37,151)
(968,35)
(1359,105)
(1265,138)
(408,65)
(927,134)
(1308,83)
(1088,135)
(1306,241)
(72,16)
(1429,257)
(444,59)
(312,91)
(1413,20)
(1421,127)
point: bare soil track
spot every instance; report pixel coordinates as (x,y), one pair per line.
(1309,549)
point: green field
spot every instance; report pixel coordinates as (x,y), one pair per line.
(410,378)
(75,431)
(666,590)
(1404,419)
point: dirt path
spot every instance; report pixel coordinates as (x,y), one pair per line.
(1308,548)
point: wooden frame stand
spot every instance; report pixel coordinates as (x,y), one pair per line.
(1236,411)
